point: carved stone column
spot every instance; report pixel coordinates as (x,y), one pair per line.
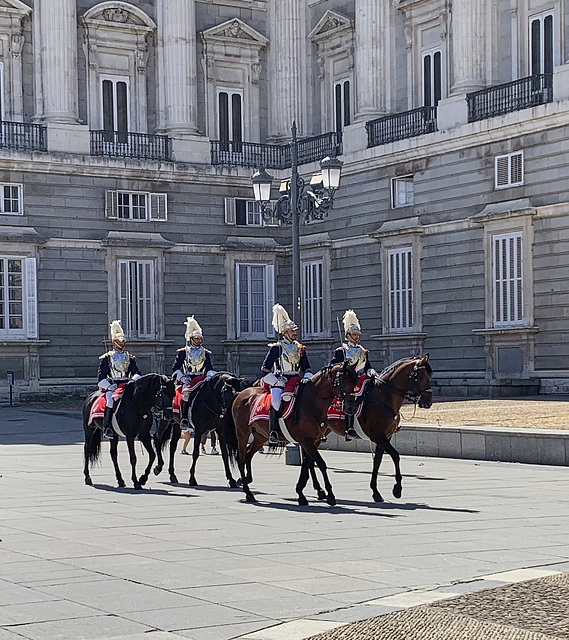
(57,25)
(372,59)
(469,44)
(287,64)
(177,66)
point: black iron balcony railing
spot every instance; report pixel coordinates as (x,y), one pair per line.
(399,126)
(275,156)
(511,96)
(23,135)
(126,144)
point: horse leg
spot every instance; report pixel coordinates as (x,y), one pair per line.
(392,451)
(377,458)
(307,462)
(132,456)
(225,457)
(195,455)
(319,490)
(176,433)
(159,436)
(312,451)
(114,442)
(146,440)
(242,462)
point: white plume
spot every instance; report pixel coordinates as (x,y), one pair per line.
(350,319)
(280,316)
(116,330)
(192,327)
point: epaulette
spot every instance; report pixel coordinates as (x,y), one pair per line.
(131,356)
(105,355)
(182,349)
(274,344)
(207,350)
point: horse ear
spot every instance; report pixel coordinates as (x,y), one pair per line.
(425,359)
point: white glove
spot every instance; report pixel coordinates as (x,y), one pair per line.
(307,376)
(179,375)
(136,376)
(371,373)
(106,385)
(209,375)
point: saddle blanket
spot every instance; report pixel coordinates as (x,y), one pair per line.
(262,404)
(194,384)
(335,411)
(98,407)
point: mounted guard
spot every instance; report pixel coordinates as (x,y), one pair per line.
(116,368)
(286,359)
(191,367)
(357,355)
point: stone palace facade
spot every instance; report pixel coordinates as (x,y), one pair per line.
(130,131)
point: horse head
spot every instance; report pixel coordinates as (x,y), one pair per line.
(411,377)
(345,378)
(162,406)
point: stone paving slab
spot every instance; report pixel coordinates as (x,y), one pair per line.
(173,561)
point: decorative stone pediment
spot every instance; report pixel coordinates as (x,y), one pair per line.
(116,13)
(14,7)
(235,31)
(331,24)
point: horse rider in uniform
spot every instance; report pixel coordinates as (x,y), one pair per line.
(285,359)
(356,354)
(115,366)
(191,366)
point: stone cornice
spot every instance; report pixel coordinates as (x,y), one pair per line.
(21,234)
(237,32)
(134,239)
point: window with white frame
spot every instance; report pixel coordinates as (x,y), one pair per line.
(508,279)
(11,198)
(136,297)
(541,44)
(313,298)
(342,105)
(509,170)
(115,107)
(230,119)
(18,297)
(136,205)
(432,77)
(247,213)
(402,193)
(254,285)
(400,284)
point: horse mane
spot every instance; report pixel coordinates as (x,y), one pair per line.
(395,365)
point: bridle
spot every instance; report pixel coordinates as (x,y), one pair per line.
(411,394)
(339,392)
(222,407)
(157,408)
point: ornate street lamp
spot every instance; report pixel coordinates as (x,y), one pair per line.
(312,202)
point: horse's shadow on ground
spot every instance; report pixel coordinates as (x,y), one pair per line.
(384,474)
(140,492)
(406,506)
(315,506)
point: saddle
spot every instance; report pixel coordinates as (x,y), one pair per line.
(98,407)
(261,406)
(335,410)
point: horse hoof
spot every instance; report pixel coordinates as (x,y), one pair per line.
(143,480)
(173,479)
(331,500)
(251,498)
(240,482)
(88,482)
(193,482)
(233,484)
(377,497)
(302,501)
(121,483)
(397,490)
(322,495)
(138,486)
(157,471)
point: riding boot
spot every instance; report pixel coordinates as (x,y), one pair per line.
(350,431)
(273,426)
(108,431)
(184,422)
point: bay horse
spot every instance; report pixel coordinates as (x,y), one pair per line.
(211,410)
(409,378)
(305,424)
(144,399)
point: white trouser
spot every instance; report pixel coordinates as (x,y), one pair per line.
(276,393)
(108,388)
(277,385)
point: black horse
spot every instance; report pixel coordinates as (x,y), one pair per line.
(211,410)
(144,399)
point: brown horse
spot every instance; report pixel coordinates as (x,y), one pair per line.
(305,424)
(379,419)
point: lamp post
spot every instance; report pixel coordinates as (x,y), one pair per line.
(297,200)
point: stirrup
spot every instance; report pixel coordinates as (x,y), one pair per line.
(273,437)
(351,434)
(109,433)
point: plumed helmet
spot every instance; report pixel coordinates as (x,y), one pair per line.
(116,331)
(351,322)
(281,321)
(193,329)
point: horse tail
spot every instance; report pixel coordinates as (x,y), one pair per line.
(92,433)
(227,426)
(95,447)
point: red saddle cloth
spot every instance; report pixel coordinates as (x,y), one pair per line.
(335,411)
(98,407)
(176,403)
(262,404)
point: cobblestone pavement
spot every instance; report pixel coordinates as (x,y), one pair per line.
(532,610)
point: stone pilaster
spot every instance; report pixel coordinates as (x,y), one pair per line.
(287,64)
(177,65)
(58,50)
(469,35)
(372,59)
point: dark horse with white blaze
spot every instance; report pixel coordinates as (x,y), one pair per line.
(210,410)
(144,399)
(409,378)
(305,424)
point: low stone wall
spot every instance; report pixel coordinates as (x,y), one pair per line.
(532,446)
